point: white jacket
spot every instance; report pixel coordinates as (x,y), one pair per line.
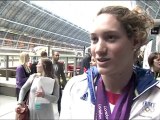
(146,103)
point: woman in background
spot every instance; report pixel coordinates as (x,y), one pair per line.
(44,90)
(93,61)
(154,63)
(22,72)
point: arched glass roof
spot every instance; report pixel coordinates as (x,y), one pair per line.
(26,19)
(151,6)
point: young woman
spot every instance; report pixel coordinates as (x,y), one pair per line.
(44,90)
(154,63)
(22,72)
(117,91)
(93,62)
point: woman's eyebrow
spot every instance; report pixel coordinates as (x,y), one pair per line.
(104,32)
(92,33)
(110,32)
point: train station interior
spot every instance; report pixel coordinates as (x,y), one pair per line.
(27,27)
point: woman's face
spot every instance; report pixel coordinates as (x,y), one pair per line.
(93,62)
(156,63)
(39,67)
(110,46)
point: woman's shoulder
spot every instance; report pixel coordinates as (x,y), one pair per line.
(47,78)
(19,66)
(78,78)
(155,91)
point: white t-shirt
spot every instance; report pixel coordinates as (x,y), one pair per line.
(47,84)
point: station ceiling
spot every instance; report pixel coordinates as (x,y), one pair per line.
(152,7)
(22,17)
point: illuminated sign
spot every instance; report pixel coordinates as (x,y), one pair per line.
(155,30)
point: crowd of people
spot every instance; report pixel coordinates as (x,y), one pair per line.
(112,83)
(43,82)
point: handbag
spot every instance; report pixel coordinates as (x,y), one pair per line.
(22,113)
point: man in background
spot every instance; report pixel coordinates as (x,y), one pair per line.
(35,62)
(43,54)
(85,63)
(59,72)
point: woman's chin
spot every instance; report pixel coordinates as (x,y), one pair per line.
(103,71)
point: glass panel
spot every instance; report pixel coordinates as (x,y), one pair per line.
(22,45)
(158,17)
(1,41)
(14,44)
(31,46)
(34,40)
(153,4)
(52,43)
(12,36)
(44,42)
(2,34)
(25,38)
(8,42)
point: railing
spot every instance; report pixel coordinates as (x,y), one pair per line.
(9,62)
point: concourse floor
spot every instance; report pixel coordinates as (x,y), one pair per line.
(7,108)
(8,103)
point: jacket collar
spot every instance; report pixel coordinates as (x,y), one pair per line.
(144,81)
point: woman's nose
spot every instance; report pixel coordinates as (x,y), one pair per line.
(101,46)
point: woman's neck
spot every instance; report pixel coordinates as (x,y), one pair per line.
(115,83)
(40,73)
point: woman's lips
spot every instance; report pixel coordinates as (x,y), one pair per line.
(102,61)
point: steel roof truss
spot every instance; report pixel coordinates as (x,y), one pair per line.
(3,7)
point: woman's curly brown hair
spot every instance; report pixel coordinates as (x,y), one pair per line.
(135,22)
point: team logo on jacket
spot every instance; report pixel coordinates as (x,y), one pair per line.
(147,109)
(85,96)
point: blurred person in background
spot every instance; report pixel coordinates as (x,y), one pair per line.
(22,72)
(44,54)
(154,63)
(59,72)
(139,59)
(43,90)
(33,65)
(85,63)
(93,61)
(35,62)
